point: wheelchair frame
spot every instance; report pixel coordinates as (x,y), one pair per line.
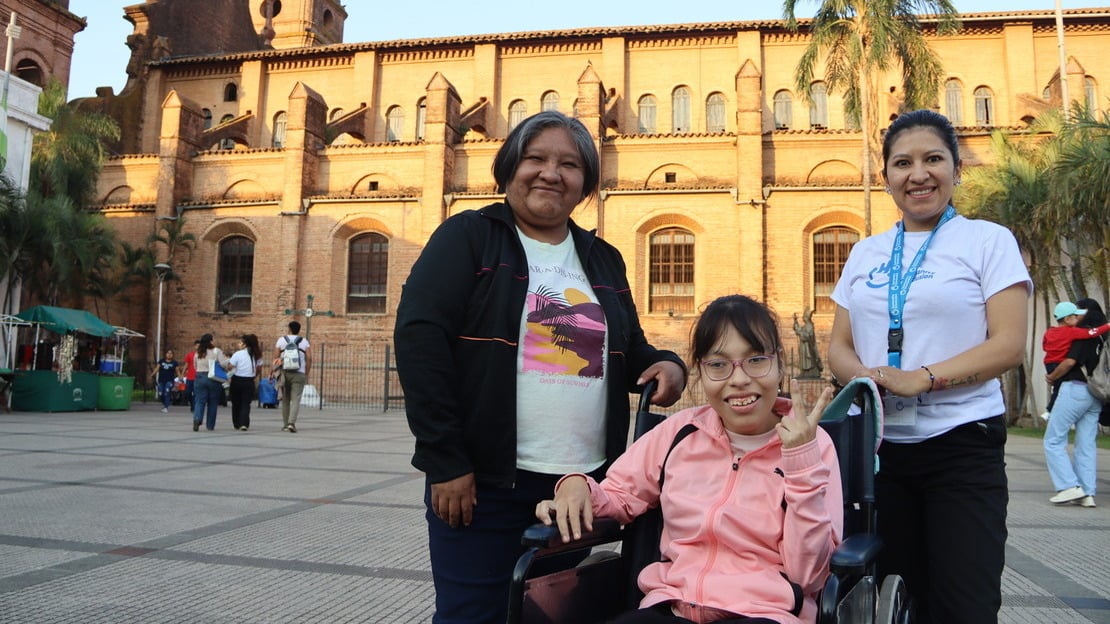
(604,584)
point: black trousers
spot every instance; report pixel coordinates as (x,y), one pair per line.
(242,395)
(941,507)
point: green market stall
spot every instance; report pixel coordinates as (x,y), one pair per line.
(64,389)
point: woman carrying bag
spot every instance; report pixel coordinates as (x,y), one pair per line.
(212,367)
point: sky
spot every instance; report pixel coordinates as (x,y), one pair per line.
(100,55)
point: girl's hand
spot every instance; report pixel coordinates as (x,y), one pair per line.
(795,430)
(571,510)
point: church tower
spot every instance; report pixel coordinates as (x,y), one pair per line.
(298,23)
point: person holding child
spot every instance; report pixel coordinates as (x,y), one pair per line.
(751,496)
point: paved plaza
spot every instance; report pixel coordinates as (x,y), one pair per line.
(131,517)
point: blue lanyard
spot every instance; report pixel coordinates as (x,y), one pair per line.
(900,285)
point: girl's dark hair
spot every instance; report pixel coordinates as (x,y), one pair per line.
(923,118)
(1094,316)
(508,157)
(253,348)
(755,322)
(204,344)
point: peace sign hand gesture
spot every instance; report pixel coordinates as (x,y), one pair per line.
(795,430)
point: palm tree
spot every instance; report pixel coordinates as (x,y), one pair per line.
(1080,194)
(861,39)
(66,159)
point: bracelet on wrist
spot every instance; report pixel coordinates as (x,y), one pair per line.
(932,378)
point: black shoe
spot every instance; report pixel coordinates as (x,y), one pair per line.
(196,426)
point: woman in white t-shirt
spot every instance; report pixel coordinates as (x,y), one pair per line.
(245,364)
(207,390)
(934,310)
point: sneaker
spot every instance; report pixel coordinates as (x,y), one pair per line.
(1086,501)
(165,411)
(196,426)
(243,428)
(1045,416)
(1073,493)
(285,428)
(292,429)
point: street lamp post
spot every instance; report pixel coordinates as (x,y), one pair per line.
(163,270)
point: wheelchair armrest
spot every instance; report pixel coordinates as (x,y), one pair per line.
(855,554)
(547,538)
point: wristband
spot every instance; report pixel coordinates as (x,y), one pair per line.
(932,378)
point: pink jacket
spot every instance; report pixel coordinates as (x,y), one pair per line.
(728,541)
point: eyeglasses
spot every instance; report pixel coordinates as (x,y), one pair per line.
(755,367)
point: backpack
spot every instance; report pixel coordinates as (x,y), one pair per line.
(1098,382)
(291,355)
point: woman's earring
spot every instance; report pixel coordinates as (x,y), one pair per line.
(887,189)
(958,181)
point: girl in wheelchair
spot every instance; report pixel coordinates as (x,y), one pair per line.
(749,486)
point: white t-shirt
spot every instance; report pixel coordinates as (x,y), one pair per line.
(561,395)
(244,367)
(966,263)
(302,345)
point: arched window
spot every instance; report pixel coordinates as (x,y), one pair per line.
(367,270)
(421,117)
(671,271)
(518,110)
(30,71)
(549,101)
(984,106)
(715,113)
(646,114)
(335,113)
(394,123)
(680,110)
(818,105)
(236,274)
(784,110)
(1090,94)
(231,92)
(954,102)
(830,251)
(281,121)
(227,144)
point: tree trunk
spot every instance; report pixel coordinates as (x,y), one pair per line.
(866,125)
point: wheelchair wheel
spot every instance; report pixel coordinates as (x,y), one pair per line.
(894,602)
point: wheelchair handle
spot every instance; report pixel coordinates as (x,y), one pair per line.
(645,395)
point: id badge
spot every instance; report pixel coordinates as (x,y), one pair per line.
(899,410)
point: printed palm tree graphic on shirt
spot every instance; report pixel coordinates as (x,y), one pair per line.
(566,334)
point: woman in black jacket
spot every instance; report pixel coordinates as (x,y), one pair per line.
(517,345)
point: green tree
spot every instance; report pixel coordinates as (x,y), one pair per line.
(858,40)
(66,159)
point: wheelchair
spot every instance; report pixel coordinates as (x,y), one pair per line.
(604,584)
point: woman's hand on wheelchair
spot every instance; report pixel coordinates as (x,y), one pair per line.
(799,425)
(571,510)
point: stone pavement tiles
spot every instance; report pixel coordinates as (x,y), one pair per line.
(132,517)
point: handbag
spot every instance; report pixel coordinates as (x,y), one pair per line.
(217,372)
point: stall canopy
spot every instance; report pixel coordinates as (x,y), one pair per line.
(63,320)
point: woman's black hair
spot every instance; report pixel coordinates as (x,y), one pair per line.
(1094,316)
(508,157)
(923,118)
(253,348)
(755,323)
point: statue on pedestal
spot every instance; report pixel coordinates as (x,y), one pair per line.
(809,362)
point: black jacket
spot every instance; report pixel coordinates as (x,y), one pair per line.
(458,325)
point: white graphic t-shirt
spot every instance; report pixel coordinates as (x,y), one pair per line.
(560,365)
